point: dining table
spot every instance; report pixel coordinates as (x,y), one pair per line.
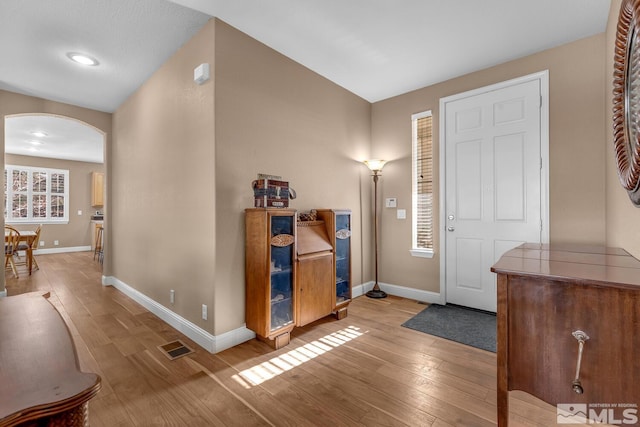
(26,236)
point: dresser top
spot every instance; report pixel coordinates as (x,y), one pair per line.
(572,263)
(40,374)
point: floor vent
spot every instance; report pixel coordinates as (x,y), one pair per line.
(175,349)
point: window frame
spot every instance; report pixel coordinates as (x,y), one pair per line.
(48,193)
(415,250)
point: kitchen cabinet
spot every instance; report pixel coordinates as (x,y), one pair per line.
(553,301)
(97,189)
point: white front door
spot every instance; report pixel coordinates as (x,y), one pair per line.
(493,185)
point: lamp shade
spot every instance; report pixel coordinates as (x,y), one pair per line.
(375,164)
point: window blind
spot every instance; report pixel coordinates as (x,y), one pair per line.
(36,194)
(422,181)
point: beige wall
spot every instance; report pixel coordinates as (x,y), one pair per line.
(577,168)
(78,232)
(163,185)
(277,117)
(13,103)
(623,219)
(184,157)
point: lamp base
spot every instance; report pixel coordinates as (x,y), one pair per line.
(376,293)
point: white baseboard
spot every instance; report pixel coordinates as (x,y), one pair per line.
(61,250)
(360,290)
(400,291)
(217,343)
(211,343)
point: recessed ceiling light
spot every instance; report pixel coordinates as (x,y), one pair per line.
(39,133)
(34,142)
(81,58)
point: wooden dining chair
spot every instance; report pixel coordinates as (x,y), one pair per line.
(34,246)
(11,241)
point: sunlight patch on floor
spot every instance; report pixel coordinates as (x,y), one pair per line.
(265,371)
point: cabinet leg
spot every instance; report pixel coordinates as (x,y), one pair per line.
(276,342)
(341,314)
(502,354)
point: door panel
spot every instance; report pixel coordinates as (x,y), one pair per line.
(493,186)
(314,279)
(509,111)
(467,120)
(469,272)
(468,182)
(509,183)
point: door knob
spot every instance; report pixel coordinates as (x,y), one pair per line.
(450,229)
(451,217)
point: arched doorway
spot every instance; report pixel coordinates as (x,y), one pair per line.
(40,149)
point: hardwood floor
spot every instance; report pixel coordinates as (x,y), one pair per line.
(364,370)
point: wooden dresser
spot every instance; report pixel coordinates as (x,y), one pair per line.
(552,297)
(40,381)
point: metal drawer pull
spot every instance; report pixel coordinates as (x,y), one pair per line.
(581,337)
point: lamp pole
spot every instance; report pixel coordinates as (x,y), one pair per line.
(376,292)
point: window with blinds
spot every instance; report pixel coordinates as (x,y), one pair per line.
(422,139)
(38,195)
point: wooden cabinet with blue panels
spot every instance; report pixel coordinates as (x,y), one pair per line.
(270,235)
(338,223)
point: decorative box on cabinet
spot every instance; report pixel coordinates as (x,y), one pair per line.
(269,273)
(548,296)
(314,273)
(338,222)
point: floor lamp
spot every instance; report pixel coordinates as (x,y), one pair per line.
(376,168)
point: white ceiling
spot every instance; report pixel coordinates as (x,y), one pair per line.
(374,48)
(382,48)
(64,138)
(130,38)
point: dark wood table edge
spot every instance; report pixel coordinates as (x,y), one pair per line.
(53,409)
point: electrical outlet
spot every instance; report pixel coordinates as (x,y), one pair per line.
(56,243)
(41,242)
(172,296)
(79,212)
(204,312)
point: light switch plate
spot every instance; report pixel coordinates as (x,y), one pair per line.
(391,202)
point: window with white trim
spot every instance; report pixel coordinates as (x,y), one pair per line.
(422,179)
(36,195)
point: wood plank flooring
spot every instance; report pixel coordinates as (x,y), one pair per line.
(364,370)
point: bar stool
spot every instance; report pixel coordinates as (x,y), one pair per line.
(98,249)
